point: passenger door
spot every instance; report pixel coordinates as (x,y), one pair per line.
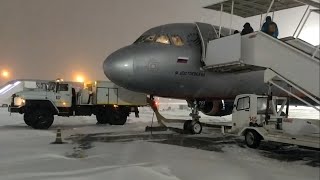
(241,113)
(206,33)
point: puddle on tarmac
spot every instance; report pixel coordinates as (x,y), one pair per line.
(290,153)
(203,143)
(216,144)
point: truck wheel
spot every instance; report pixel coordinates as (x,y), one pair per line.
(252,139)
(27,119)
(103,117)
(42,120)
(118,117)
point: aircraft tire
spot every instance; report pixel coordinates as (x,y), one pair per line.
(195,127)
(186,126)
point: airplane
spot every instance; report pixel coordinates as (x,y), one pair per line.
(166,61)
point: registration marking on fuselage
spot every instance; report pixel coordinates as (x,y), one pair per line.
(190,73)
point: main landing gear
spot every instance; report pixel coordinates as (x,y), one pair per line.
(193,126)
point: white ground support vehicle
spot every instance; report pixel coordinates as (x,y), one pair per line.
(258,118)
(110,103)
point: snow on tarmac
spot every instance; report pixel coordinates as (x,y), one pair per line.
(27,154)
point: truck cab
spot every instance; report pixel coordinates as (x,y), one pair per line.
(58,94)
(61,94)
(251,110)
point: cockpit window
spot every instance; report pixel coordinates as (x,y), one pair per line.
(143,39)
(177,40)
(149,38)
(163,39)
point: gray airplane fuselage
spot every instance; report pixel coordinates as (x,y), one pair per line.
(168,70)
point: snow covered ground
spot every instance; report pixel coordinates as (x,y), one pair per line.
(127,152)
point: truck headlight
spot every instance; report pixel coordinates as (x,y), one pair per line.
(18,101)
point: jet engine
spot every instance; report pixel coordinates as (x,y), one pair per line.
(216,107)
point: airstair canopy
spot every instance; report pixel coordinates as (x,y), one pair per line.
(248,8)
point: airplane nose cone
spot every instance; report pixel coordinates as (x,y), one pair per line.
(118,67)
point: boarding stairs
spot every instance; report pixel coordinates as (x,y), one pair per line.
(291,61)
(303,46)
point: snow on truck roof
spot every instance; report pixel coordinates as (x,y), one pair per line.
(248,8)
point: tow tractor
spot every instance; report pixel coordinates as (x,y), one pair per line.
(265,118)
(108,102)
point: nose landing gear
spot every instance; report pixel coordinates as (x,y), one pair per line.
(190,126)
(193,126)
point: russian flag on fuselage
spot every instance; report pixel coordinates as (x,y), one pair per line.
(182,60)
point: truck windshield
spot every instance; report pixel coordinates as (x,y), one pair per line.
(51,86)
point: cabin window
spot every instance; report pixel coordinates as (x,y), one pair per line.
(163,39)
(243,103)
(177,40)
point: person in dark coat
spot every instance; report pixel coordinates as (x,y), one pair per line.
(270,27)
(273,30)
(265,26)
(247,29)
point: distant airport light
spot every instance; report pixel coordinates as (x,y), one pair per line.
(79,78)
(5,74)
(59,80)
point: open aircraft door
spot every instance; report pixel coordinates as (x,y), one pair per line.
(206,33)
